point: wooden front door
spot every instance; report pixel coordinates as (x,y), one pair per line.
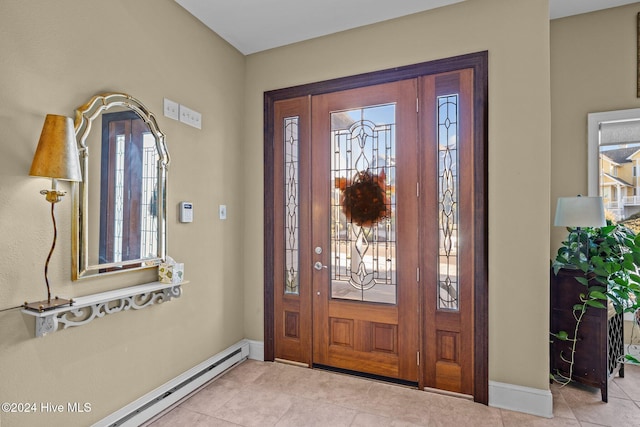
(376,248)
(364,219)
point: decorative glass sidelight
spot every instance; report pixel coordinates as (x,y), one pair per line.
(363,215)
(118,217)
(291,202)
(448,202)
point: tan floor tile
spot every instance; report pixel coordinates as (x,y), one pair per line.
(328,386)
(583,424)
(561,408)
(309,413)
(616,390)
(255,406)
(627,384)
(518,419)
(184,417)
(617,412)
(248,371)
(269,394)
(389,401)
(454,411)
(363,419)
(212,397)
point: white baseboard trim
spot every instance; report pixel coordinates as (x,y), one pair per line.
(163,397)
(256,350)
(521,399)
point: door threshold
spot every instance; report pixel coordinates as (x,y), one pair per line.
(291,362)
(449,393)
(397,381)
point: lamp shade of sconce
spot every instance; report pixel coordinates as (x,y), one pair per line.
(580,212)
(57,153)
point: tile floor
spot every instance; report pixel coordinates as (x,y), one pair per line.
(272,394)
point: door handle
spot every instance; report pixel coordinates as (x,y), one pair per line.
(318,266)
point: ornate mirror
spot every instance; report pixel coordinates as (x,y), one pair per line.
(119,207)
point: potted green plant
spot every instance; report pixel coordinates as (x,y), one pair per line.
(604,261)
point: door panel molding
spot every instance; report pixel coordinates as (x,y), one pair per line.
(478,62)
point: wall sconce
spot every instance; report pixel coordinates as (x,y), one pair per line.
(57,158)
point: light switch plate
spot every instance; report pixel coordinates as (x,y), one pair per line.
(171,109)
(190,117)
(222,211)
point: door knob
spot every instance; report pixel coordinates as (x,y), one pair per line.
(318,266)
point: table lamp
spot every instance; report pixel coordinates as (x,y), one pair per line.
(577,212)
(57,158)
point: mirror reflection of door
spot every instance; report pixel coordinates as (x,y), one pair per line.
(128,216)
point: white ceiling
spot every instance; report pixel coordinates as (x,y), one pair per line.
(256,25)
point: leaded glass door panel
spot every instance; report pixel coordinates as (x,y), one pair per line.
(447,229)
(292,244)
(364,213)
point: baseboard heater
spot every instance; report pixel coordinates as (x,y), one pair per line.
(166,395)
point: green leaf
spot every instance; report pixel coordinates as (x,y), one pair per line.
(597,295)
(596,260)
(594,303)
(634,287)
(621,282)
(631,358)
(561,335)
(582,280)
(605,231)
(601,271)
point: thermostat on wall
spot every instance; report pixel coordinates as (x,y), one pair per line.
(186,212)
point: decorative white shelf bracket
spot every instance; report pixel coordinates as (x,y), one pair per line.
(87,308)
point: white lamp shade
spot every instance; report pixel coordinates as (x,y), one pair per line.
(580,212)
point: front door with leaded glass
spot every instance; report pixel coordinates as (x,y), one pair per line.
(364,210)
(374,230)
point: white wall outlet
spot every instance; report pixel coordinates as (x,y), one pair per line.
(171,109)
(222,211)
(190,117)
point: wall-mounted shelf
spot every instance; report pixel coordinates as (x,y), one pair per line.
(87,308)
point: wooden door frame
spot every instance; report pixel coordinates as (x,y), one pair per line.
(479,63)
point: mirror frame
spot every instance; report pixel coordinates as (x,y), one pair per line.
(84,117)
(593,150)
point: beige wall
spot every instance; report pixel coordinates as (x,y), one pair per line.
(48,66)
(593,69)
(516,34)
(55,55)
